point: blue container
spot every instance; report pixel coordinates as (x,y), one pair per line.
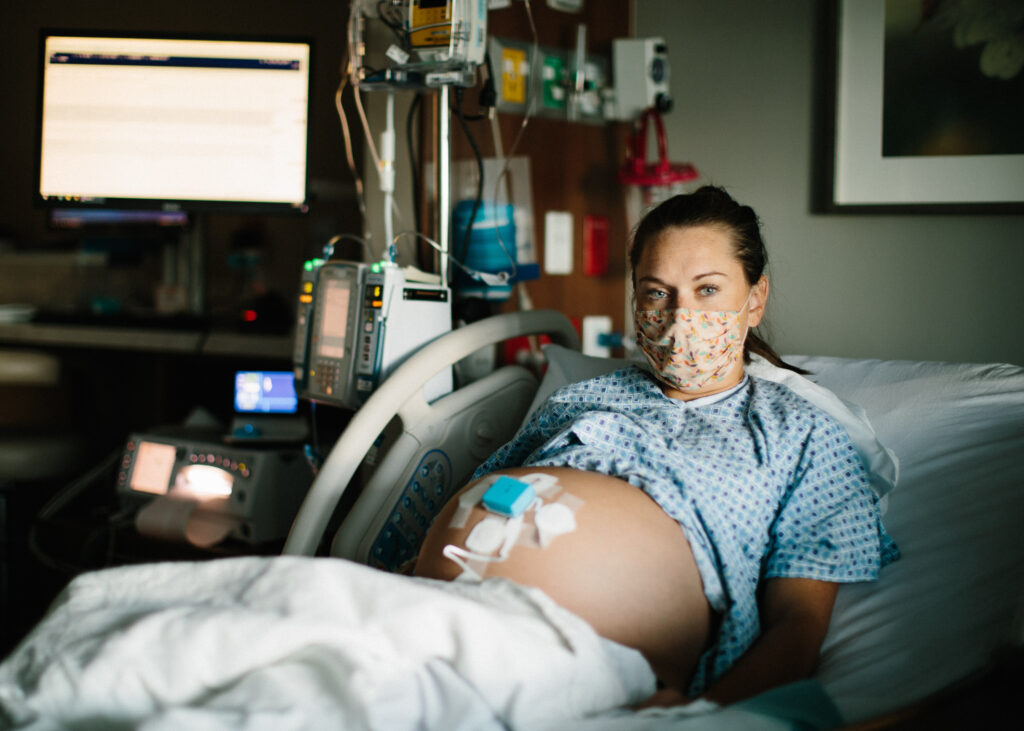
(491,248)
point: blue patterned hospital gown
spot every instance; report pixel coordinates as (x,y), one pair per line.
(763,483)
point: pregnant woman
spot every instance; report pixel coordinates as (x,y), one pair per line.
(705,517)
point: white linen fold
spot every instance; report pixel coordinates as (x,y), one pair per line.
(303,643)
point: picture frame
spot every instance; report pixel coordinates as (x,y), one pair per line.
(860,177)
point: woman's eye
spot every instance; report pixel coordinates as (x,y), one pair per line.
(656,294)
(707,290)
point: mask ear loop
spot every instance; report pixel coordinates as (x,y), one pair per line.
(746,328)
(747,353)
(745,304)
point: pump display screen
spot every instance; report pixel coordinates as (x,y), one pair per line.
(334,328)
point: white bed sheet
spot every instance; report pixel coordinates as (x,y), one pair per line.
(303,643)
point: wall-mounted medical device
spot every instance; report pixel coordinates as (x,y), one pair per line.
(361,321)
(253,494)
(432,43)
(641,76)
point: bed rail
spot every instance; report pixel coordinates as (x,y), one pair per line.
(402,394)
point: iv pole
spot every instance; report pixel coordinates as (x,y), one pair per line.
(443,180)
(467,25)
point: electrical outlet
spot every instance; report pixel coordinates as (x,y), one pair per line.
(593,327)
(558,242)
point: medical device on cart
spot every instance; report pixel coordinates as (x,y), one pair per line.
(194,484)
(248,493)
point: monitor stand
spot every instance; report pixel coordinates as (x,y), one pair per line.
(261,428)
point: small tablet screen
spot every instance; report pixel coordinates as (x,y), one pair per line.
(265,392)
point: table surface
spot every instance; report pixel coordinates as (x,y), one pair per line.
(212,343)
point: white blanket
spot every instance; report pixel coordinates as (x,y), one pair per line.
(302,643)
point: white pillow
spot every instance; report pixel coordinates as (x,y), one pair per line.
(567,366)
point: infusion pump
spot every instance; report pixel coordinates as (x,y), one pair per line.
(431,43)
(357,322)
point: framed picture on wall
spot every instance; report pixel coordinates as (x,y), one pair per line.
(929,106)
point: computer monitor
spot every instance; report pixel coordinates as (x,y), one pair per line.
(173,123)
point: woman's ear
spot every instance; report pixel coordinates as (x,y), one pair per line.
(758,301)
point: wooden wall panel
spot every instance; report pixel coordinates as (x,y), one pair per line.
(573,164)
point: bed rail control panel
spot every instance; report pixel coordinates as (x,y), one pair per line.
(258,490)
(422,497)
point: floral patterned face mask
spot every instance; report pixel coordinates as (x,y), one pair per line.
(690,349)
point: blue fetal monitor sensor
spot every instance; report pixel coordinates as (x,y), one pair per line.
(509,497)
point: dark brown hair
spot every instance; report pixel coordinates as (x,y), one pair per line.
(712,206)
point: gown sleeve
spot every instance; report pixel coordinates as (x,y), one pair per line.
(829,526)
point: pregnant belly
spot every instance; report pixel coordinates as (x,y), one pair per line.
(627,569)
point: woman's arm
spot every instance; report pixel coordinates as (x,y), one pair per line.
(795,614)
(794,619)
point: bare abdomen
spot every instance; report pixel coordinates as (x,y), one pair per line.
(627,569)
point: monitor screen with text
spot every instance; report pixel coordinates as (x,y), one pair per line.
(168,122)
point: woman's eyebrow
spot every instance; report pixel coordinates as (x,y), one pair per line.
(652,280)
(709,274)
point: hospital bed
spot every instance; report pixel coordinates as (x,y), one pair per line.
(296,641)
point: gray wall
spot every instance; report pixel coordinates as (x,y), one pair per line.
(919,287)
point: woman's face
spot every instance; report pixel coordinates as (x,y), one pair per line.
(696,267)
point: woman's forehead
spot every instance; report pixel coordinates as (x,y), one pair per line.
(689,250)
